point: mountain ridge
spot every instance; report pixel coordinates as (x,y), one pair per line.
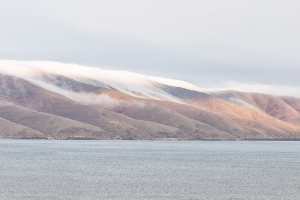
(37,102)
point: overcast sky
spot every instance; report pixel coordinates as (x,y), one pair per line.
(206,42)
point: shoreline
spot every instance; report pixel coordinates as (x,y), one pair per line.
(157,139)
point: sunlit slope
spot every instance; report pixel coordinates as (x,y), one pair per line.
(225,116)
(284,108)
(197,113)
(158,111)
(249,116)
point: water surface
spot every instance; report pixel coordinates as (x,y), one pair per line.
(41,169)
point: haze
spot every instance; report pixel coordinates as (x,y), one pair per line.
(244,45)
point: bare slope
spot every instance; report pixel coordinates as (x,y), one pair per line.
(270,126)
(119,115)
(31,96)
(14,130)
(50,125)
(204,116)
(157,111)
(283,108)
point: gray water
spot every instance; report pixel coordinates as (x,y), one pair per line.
(41,169)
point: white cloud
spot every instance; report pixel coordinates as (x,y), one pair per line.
(177,83)
(124,81)
(279,90)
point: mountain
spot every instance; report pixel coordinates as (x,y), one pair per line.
(283,108)
(55,100)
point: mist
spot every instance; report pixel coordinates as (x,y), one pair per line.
(134,84)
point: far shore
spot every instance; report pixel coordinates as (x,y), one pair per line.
(156,139)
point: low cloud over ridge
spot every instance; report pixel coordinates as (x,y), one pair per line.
(127,82)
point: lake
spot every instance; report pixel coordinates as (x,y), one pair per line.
(44,169)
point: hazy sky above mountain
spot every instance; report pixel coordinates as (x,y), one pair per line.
(208,43)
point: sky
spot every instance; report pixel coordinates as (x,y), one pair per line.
(250,45)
